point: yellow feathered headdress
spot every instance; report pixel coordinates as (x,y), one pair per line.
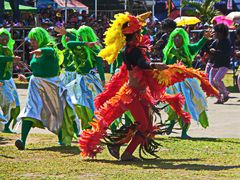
(114,38)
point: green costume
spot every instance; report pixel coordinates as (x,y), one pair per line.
(68,74)
(87,84)
(68,55)
(195,102)
(9,100)
(47,103)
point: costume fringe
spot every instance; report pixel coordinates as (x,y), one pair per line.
(90,139)
(112,103)
(177,73)
(112,87)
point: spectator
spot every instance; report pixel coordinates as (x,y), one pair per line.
(15,8)
(237,52)
(220,53)
(168,25)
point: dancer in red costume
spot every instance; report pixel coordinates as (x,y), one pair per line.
(137,87)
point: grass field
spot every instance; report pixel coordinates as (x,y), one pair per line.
(228,81)
(198,158)
(179,159)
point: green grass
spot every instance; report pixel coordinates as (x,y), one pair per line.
(228,81)
(179,159)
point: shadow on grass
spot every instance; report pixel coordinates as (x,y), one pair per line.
(4,141)
(227,140)
(73,150)
(5,156)
(168,164)
(231,104)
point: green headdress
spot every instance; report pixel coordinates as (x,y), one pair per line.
(87,35)
(11,42)
(42,37)
(170,44)
(63,40)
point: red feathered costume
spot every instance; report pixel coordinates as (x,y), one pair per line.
(136,87)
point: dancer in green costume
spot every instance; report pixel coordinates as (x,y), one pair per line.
(177,50)
(90,74)
(48,104)
(69,73)
(9,101)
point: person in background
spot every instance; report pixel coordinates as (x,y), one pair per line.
(168,25)
(220,53)
(237,53)
(68,74)
(15,8)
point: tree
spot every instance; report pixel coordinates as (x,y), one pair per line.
(204,10)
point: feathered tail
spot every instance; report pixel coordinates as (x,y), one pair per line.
(112,87)
(111,103)
(177,73)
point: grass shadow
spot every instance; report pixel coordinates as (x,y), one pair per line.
(186,166)
(201,139)
(5,156)
(231,104)
(140,161)
(4,141)
(168,164)
(73,150)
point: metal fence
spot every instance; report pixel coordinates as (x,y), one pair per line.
(110,13)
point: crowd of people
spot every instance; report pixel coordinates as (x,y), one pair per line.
(49,19)
(152,65)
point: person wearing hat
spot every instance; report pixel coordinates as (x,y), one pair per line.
(59,21)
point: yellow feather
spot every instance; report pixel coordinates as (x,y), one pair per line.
(114,38)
